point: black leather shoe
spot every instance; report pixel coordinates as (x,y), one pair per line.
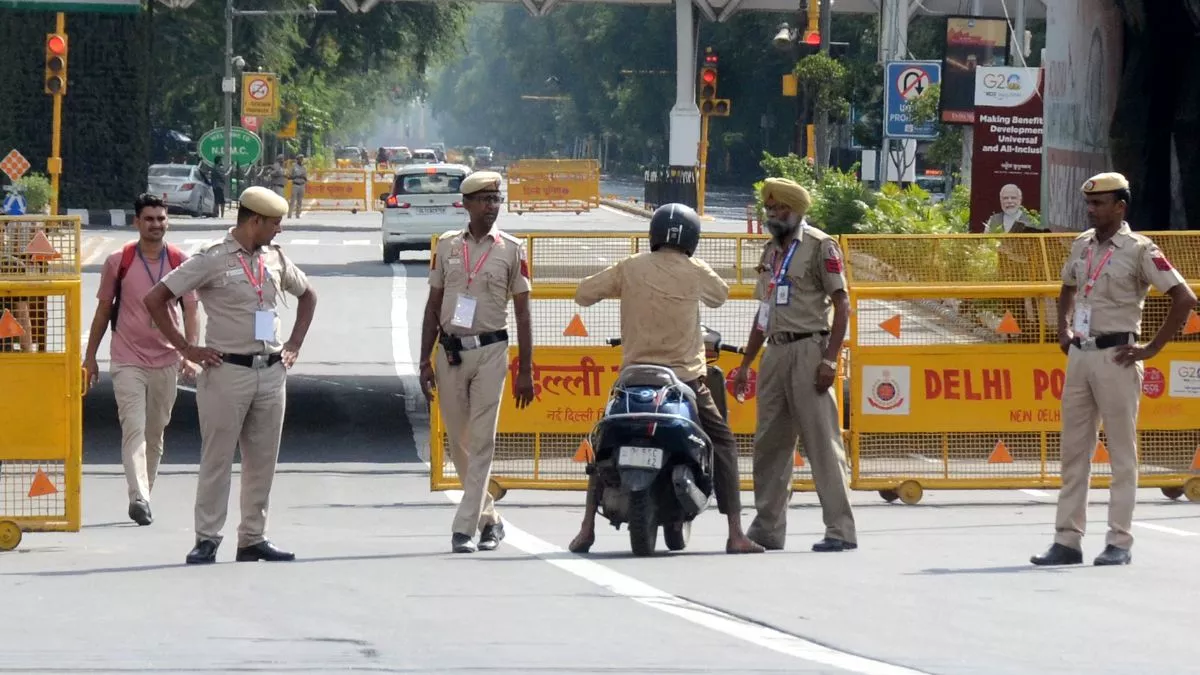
(1114,555)
(1058,554)
(490,538)
(205,553)
(831,545)
(264,550)
(139,512)
(461,543)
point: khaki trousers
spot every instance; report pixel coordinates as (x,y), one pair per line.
(238,407)
(145,399)
(469,401)
(296,201)
(1098,389)
(789,406)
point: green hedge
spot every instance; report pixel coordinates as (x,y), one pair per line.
(106,129)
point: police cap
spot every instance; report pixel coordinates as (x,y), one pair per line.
(1104,182)
(481,181)
(264,202)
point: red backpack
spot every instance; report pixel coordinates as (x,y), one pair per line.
(174,259)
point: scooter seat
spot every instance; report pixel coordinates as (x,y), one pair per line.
(654,376)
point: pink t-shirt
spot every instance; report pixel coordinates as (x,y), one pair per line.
(136,341)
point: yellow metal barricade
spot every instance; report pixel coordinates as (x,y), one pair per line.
(40,341)
(957,377)
(381,181)
(553,185)
(334,190)
(542,446)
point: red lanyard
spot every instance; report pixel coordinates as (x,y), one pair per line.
(1093,276)
(256,284)
(467,259)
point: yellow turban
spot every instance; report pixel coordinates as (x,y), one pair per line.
(786,192)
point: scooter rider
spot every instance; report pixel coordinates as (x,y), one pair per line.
(660,294)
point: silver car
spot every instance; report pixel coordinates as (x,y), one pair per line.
(184,187)
(425,201)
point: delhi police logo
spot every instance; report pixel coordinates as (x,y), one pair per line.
(1089,186)
(885,394)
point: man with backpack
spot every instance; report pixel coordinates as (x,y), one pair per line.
(144,366)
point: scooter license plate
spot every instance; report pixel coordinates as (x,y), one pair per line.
(644,458)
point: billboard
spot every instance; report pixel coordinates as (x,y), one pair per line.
(1006,164)
(971,42)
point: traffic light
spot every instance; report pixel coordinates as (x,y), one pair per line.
(709,103)
(56,64)
(55,82)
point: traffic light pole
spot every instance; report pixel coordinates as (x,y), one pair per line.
(227,89)
(54,164)
(703,174)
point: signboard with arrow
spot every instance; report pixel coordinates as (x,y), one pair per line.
(904,82)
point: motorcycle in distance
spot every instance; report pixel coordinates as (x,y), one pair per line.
(652,459)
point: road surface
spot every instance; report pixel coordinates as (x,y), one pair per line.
(942,587)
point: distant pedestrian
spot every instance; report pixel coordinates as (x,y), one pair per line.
(144,365)
(1105,280)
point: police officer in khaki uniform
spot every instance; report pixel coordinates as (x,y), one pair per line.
(1105,281)
(800,284)
(473,274)
(660,294)
(241,394)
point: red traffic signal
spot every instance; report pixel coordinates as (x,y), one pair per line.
(813,39)
(56,44)
(708,76)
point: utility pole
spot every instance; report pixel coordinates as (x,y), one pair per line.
(968,136)
(228,85)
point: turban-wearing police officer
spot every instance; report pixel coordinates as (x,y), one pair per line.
(800,281)
(241,393)
(1105,280)
(472,275)
(660,294)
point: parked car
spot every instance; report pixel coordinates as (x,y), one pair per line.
(425,200)
(183,187)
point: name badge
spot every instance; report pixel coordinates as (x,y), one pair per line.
(464,312)
(764,315)
(264,325)
(1083,320)
(783,294)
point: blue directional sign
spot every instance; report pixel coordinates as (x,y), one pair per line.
(14,205)
(903,82)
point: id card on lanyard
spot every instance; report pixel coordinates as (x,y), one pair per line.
(464,304)
(162,261)
(780,287)
(1083,310)
(264,319)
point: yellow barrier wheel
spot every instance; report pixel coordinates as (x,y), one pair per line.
(910,492)
(889,496)
(10,535)
(496,490)
(1192,489)
(1172,492)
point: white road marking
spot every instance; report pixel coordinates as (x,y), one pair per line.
(605,207)
(1040,494)
(923,458)
(708,617)
(401,346)
(357,242)
(303,242)
(1164,528)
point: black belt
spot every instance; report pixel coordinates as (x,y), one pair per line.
(252,360)
(1103,341)
(462,343)
(784,338)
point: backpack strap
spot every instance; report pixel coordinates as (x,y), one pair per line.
(175,258)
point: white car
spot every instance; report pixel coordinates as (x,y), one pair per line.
(183,187)
(425,201)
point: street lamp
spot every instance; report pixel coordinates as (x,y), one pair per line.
(228,85)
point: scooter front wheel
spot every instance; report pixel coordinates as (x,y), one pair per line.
(643,530)
(676,535)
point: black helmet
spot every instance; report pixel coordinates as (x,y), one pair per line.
(675,225)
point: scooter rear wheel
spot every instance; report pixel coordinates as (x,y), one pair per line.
(643,530)
(676,535)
